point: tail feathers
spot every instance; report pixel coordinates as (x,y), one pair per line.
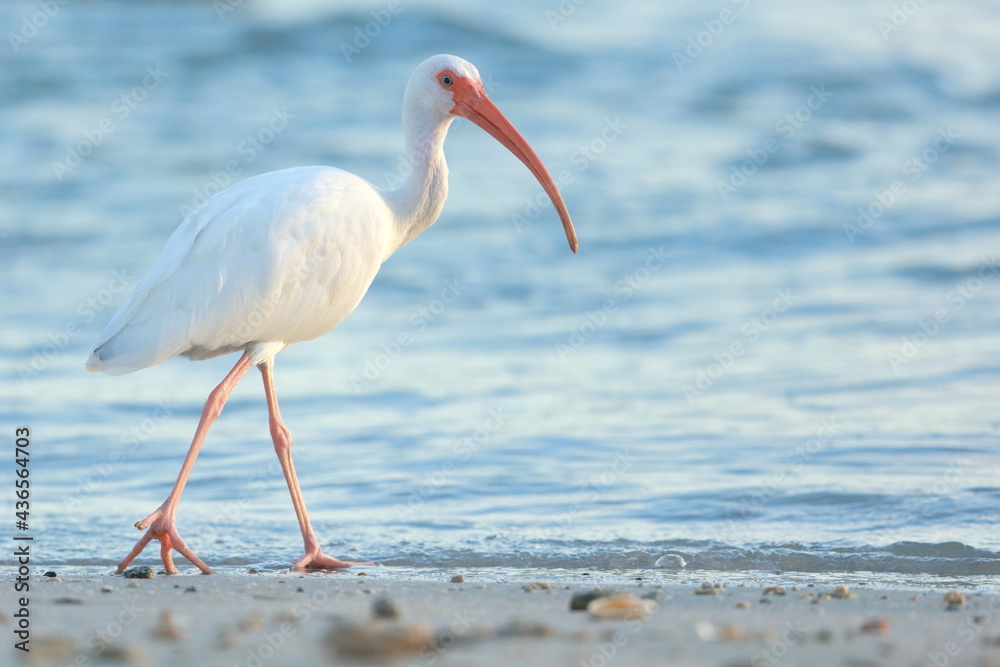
(126,352)
(96,363)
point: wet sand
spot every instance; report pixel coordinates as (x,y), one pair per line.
(365,617)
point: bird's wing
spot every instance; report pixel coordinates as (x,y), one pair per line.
(277,258)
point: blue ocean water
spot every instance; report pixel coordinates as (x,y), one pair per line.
(776,348)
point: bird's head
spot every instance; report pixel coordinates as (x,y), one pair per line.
(447,85)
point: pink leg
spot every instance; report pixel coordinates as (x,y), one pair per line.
(161,524)
(314,558)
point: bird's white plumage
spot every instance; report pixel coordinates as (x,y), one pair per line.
(284,257)
(273,260)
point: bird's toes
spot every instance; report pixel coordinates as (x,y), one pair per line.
(153,518)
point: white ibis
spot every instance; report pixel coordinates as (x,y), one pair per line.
(284,257)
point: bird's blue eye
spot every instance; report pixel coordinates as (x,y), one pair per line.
(446,80)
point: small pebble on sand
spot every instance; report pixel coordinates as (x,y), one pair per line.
(655,596)
(875,626)
(166,628)
(579,601)
(227,639)
(129,655)
(954,598)
(139,572)
(537,586)
(385,608)
(52,650)
(518,628)
(457,579)
(843,593)
(379,641)
(251,623)
(621,607)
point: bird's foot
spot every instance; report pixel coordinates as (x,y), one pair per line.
(160,525)
(317,560)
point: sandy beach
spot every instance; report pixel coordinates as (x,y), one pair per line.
(377,615)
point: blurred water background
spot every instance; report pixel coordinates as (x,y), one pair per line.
(777,348)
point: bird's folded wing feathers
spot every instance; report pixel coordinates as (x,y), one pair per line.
(267,244)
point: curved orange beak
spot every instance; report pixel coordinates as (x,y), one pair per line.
(472,102)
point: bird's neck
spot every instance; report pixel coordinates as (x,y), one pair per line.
(417,203)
